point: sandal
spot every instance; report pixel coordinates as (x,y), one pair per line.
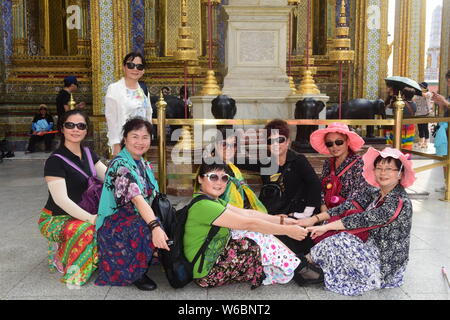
(308,273)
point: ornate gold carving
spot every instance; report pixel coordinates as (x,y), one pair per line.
(172,19)
(121,29)
(341,52)
(97,95)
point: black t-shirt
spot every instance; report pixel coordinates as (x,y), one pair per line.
(301,185)
(76,183)
(62,99)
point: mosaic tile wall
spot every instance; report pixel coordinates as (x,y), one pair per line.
(414,40)
(138,25)
(106,45)
(373,58)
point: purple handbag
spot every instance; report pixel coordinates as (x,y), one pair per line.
(91,197)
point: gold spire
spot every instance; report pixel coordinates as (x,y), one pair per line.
(185,44)
(341,44)
(210,87)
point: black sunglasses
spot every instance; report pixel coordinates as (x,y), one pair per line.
(71,125)
(329,144)
(213,177)
(278,140)
(132,65)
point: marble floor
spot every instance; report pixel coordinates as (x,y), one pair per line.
(24,273)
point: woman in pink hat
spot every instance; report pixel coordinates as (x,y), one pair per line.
(352,266)
(342,173)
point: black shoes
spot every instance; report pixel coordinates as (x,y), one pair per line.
(307,273)
(145,283)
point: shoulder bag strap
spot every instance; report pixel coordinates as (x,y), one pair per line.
(396,213)
(73,165)
(347,168)
(91,162)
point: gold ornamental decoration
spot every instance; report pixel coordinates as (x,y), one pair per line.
(210,87)
(72,104)
(185,44)
(341,44)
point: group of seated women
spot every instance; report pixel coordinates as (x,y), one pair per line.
(349,230)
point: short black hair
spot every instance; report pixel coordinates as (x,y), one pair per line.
(280,125)
(380,159)
(130,57)
(209,165)
(135,123)
(408,93)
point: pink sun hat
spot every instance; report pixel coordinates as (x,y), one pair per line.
(409,176)
(317,138)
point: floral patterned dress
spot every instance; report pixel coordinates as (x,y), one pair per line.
(278,261)
(124,240)
(351,266)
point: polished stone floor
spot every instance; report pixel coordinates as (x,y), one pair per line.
(24,274)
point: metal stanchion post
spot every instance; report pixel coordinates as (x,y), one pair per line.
(398,105)
(162,166)
(447,178)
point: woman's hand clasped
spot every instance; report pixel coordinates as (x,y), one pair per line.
(159,238)
(297,232)
(317,231)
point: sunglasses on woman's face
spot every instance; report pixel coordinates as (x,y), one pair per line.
(132,65)
(213,177)
(278,140)
(329,144)
(71,125)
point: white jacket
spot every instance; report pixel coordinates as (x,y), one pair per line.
(119,107)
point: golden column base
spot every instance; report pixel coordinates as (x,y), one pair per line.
(292,85)
(210,88)
(308,85)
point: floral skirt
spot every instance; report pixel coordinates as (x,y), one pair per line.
(125,249)
(240,261)
(278,261)
(350,266)
(72,247)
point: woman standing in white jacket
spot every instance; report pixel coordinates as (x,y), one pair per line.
(125,99)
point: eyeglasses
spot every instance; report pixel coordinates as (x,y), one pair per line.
(329,144)
(131,66)
(278,140)
(387,170)
(71,125)
(213,177)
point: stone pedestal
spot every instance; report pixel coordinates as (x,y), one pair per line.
(256,40)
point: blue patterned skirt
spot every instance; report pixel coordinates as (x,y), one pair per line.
(351,266)
(124,247)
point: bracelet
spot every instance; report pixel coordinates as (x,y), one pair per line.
(317,216)
(281,219)
(153,224)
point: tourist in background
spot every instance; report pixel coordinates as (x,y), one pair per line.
(41,127)
(424,105)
